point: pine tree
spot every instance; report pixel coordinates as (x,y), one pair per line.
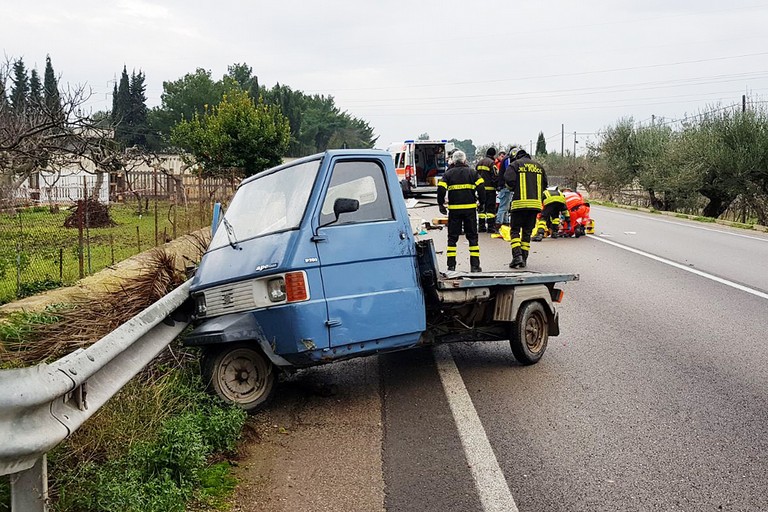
(137,118)
(121,111)
(35,90)
(3,96)
(51,87)
(20,89)
(541,145)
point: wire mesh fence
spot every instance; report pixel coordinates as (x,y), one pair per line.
(47,244)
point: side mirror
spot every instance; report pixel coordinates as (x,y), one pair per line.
(345,205)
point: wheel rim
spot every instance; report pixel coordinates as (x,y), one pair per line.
(535,331)
(243,376)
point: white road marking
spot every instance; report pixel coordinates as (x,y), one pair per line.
(684,267)
(687,225)
(494,492)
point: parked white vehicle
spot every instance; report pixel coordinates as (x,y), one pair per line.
(420,164)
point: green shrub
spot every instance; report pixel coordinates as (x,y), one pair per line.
(30,288)
(165,470)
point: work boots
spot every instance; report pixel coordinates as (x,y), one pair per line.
(474,264)
(538,237)
(481,227)
(517,261)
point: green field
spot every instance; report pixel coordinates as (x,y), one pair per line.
(37,252)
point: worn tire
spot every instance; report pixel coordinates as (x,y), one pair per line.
(239,374)
(530,333)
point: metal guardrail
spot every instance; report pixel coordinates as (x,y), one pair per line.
(42,405)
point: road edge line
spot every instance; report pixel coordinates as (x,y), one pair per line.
(680,266)
(491,485)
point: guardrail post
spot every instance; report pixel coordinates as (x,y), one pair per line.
(29,488)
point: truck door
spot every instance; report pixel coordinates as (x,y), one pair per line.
(367,259)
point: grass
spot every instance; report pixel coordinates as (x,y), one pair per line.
(153,447)
(37,253)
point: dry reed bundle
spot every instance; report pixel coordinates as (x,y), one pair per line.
(87,320)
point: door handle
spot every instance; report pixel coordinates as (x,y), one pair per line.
(319,238)
(333,322)
(403,236)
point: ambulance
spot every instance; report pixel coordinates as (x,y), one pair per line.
(420,164)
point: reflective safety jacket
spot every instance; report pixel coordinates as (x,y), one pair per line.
(527,180)
(462,184)
(487,170)
(552,196)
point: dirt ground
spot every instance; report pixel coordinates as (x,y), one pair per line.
(317,446)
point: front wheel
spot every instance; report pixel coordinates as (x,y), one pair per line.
(530,333)
(240,375)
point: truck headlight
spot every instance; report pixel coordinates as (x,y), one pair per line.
(200,308)
(276,289)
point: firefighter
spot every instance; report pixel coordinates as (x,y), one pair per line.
(526,180)
(553,203)
(462,185)
(487,212)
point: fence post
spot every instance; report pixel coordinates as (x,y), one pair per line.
(29,488)
(154,186)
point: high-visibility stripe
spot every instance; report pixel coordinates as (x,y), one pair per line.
(483,168)
(538,183)
(442,184)
(490,188)
(474,247)
(461,206)
(515,243)
(461,187)
(526,246)
(526,203)
(479,181)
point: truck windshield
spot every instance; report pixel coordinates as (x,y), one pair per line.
(274,202)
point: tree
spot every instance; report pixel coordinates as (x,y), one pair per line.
(424,136)
(292,104)
(182,99)
(121,107)
(35,90)
(238,136)
(466,146)
(541,145)
(137,116)
(242,75)
(20,88)
(50,87)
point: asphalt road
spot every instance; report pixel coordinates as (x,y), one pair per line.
(652,398)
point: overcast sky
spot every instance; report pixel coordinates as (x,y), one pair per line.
(484,70)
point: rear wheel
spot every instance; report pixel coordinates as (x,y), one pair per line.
(240,375)
(530,333)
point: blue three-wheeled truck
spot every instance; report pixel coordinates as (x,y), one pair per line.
(315,261)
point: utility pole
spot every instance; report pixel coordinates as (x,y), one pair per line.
(743,102)
(653,119)
(574,145)
(562,140)
(530,147)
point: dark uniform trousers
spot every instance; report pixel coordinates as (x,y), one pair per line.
(550,217)
(488,210)
(523,222)
(465,219)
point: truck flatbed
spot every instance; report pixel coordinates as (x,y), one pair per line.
(454,279)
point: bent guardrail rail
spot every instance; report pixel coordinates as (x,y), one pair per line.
(42,405)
